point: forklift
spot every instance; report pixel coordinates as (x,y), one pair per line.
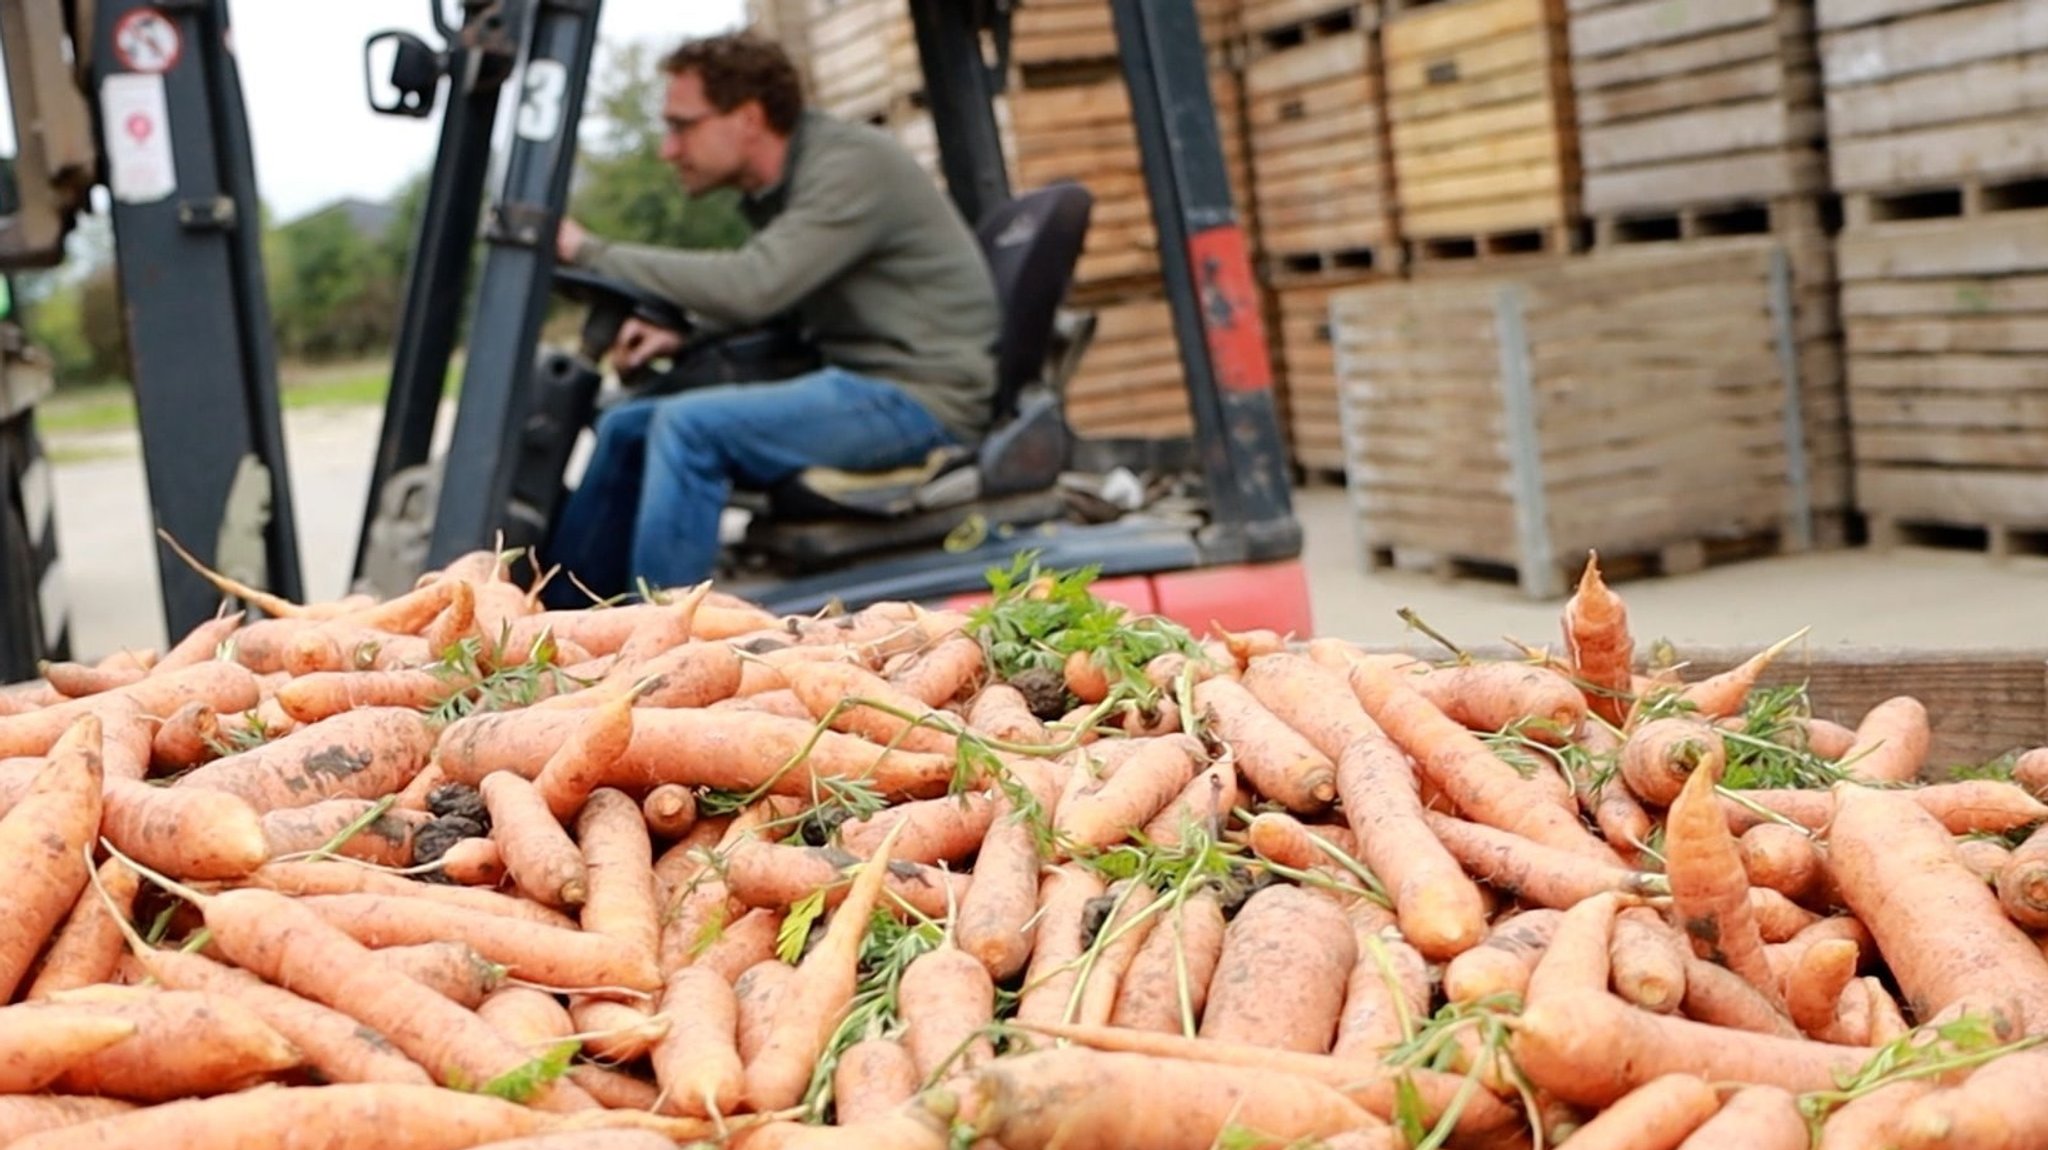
(143,100)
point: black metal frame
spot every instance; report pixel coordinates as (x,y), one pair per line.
(206,374)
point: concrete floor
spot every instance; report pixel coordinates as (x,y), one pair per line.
(1913,597)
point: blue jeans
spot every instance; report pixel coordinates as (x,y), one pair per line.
(662,470)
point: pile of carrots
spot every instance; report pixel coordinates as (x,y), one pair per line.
(448,870)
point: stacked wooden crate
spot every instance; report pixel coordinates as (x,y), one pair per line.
(863,59)
(1071,115)
(1703,122)
(1322,190)
(788,23)
(1637,402)
(1485,153)
(1938,141)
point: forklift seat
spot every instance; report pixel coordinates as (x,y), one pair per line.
(1032,244)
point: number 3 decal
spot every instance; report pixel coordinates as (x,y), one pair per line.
(540,105)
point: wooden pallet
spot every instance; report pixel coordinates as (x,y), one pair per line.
(1479,102)
(1647,410)
(912,126)
(1322,178)
(1682,104)
(1306,350)
(1058,31)
(1930,94)
(1946,327)
(1129,382)
(863,57)
(787,22)
(1276,24)
(1082,131)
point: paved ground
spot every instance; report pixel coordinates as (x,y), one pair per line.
(1911,598)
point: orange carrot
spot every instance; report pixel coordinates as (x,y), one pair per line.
(1861,1122)
(1205,802)
(90,944)
(1971,806)
(1495,696)
(934,830)
(1891,742)
(1724,694)
(1578,955)
(1597,640)
(1132,913)
(1054,969)
(590,753)
(948,671)
(361,754)
(1781,858)
(1647,961)
(1102,810)
(1167,984)
(1998,1107)
(1085,680)
(1816,983)
(1709,890)
(321,695)
(1660,755)
(225,687)
(1279,763)
(185,1044)
(758,990)
(1623,822)
(779,875)
(473,862)
(314,878)
(1531,871)
(816,1002)
(187,738)
(1943,932)
(538,853)
(1482,786)
(873,1079)
(670,811)
(1502,962)
(449,969)
(619,859)
(615,1031)
(1440,908)
(1658,1115)
(697,1062)
(39,1043)
(385,839)
(1313,699)
(1987,859)
(1593,1049)
(45,839)
(884,715)
(1282,929)
(25,1114)
(1387,996)
(1001,712)
(1714,994)
(947,1001)
(2030,770)
(548,955)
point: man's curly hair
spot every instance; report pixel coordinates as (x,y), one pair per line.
(742,66)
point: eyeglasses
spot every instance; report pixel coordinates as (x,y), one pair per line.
(684,125)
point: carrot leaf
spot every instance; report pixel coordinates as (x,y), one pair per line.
(796,926)
(1409,1109)
(1035,619)
(522,1082)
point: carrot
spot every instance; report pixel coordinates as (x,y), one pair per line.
(1205,802)
(1850,1023)
(1998,1107)
(619,858)
(1284,839)
(948,671)
(1647,961)
(1816,984)
(1891,742)
(1085,680)
(1496,696)
(1987,859)
(1054,970)
(996,917)
(1502,961)
(1660,755)
(1786,955)
(23,1115)
(1166,986)
(1943,932)
(1001,712)
(1440,908)
(1597,640)
(45,839)
(872,1080)
(2030,771)
(1086,1098)
(339,1047)
(614,1090)
(817,1000)
(1526,869)
(225,687)
(39,1043)
(201,644)
(473,862)
(590,753)
(758,990)
(778,875)
(1386,997)
(321,695)
(1102,810)
(947,1001)
(1778,918)
(1781,858)
(670,810)
(79,680)
(726,750)
(1280,981)
(384,839)
(449,969)
(1476,779)
(1861,1122)
(1578,954)
(1132,912)
(1279,763)
(528,950)
(2023,881)
(1709,890)
(1313,699)
(743,943)
(185,1044)
(695,674)
(314,878)
(1724,694)
(361,754)
(615,1031)
(697,1063)
(883,714)
(921,1124)
(1886,1021)
(89,945)
(538,853)
(1592,1049)
(1722,997)
(934,830)
(1658,1115)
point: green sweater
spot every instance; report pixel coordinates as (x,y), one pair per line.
(870,257)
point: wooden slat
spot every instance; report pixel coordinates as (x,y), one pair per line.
(1937,40)
(1626,27)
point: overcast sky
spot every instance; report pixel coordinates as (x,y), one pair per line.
(302,76)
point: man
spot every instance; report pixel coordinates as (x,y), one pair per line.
(854,240)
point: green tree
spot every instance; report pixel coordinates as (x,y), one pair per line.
(333,292)
(625,191)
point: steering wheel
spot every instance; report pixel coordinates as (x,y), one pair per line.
(611,303)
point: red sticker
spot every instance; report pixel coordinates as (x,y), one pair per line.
(1229,301)
(146,40)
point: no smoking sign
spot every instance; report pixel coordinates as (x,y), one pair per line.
(146,40)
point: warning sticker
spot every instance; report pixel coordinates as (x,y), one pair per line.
(146,40)
(138,128)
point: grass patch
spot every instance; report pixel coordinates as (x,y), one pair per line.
(105,407)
